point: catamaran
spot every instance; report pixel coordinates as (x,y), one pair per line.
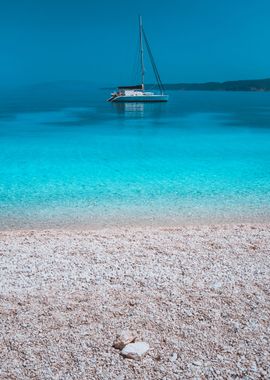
(137,93)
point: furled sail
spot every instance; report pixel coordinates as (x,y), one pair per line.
(137,87)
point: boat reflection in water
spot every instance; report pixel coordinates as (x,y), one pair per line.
(130,109)
(153,111)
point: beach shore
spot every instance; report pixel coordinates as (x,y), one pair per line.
(198,295)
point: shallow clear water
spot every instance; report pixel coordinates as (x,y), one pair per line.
(75,159)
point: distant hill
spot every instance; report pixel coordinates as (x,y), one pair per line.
(239,85)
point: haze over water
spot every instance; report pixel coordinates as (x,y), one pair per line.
(71,159)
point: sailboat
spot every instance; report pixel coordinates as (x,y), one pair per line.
(137,93)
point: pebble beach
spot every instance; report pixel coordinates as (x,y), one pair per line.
(199,296)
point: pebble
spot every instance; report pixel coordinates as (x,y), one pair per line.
(173,358)
(122,339)
(135,350)
(197,363)
(217,285)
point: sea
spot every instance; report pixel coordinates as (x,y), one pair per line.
(69,159)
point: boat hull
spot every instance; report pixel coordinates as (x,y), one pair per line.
(143,98)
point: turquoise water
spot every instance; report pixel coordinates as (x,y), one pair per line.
(75,159)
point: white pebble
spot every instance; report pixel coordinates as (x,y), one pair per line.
(135,350)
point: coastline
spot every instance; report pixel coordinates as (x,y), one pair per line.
(198,294)
(133,218)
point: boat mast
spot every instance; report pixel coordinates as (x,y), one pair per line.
(141,50)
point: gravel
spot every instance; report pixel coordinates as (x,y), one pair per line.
(198,295)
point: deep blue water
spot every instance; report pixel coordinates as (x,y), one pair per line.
(71,158)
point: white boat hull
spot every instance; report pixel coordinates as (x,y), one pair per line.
(138,98)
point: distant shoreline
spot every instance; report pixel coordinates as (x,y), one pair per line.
(250,85)
(257,85)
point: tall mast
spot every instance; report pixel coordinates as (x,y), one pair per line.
(141,50)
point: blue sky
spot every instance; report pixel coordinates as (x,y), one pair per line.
(192,40)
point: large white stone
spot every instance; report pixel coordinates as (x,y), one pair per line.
(135,350)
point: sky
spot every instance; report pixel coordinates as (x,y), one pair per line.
(97,40)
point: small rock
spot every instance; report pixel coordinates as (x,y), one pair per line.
(254,367)
(197,363)
(173,358)
(122,339)
(217,285)
(135,350)
(120,377)
(189,313)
